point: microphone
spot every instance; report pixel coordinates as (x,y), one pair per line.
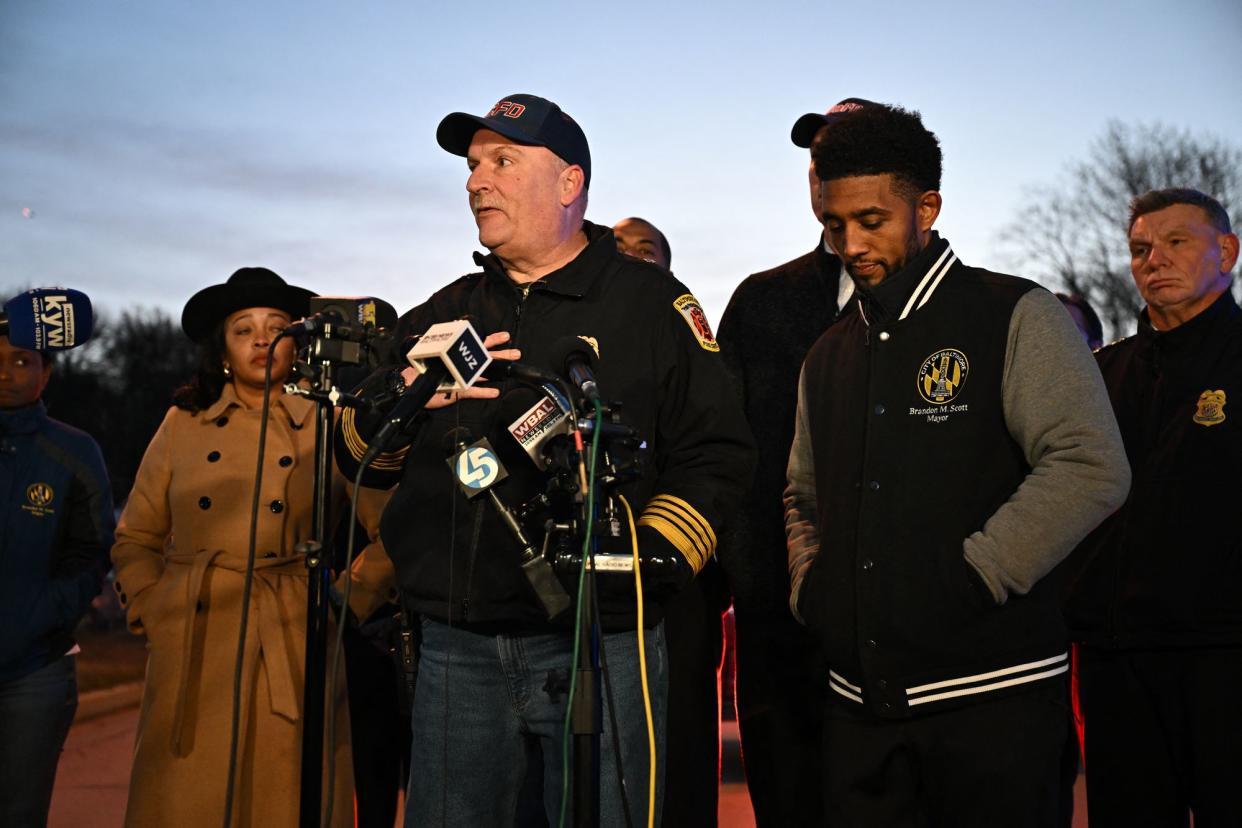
(452,358)
(455,346)
(477,468)
(578,357)
(345,317)
(533,427)
(48,319)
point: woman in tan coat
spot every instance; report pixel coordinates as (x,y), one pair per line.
(180,558)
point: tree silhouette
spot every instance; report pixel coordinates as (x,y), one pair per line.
(1074,233)
(118,386)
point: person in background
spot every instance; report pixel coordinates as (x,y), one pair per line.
(695,639)
(180,556)
(643,240)
(772,320)
(1154,592)
(1084,317)
(55,530)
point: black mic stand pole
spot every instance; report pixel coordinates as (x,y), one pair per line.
(318,566)
(587,712)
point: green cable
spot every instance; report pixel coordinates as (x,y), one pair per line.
(573,670)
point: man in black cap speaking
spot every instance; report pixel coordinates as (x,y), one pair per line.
(495,671)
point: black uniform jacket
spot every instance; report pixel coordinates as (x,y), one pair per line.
(771,322)
(657,356)
(1166,569)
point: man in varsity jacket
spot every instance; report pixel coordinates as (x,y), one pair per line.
(954,442)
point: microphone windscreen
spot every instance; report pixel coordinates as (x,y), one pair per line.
(564,347)
(455,438)
(49,319)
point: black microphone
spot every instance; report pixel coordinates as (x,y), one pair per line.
(351,318)
(503,369)
(47,319)
(477,468)
(536,419)
(451,356)
(578,358)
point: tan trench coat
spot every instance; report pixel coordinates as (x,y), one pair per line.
(180,558)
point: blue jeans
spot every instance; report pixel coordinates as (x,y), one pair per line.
(35,713)
(486,707)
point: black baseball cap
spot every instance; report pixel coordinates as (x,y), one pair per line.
(804,129)
(527,119)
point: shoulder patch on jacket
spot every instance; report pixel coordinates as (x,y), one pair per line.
(692,311)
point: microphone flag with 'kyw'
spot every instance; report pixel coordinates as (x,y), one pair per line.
(48,319)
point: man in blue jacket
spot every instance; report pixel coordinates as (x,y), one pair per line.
(56,527)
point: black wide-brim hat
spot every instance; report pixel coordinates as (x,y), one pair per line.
(249,287)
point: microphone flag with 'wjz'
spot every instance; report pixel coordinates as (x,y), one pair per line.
(457,348)
(449,356)
(48,319)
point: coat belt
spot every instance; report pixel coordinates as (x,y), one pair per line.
(266,615)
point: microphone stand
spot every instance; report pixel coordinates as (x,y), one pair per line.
(318,566)
(587,711)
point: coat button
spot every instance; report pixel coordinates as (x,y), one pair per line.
(882,684)
(886,707)
(204,502)
(296,426)
(213,457)
(874,485)
(868,564)
(871,643)
(880,409)
(221,422)
(286,461)
(117,586)
(277,506)
(884,336)
(124,597)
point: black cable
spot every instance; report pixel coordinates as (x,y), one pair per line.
(448,655)
(248,581)
(338,647)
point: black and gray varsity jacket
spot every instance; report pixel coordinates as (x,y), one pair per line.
(954,443)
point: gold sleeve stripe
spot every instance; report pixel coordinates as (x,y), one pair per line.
(662,510)
(387,461)
(691,513)
(676,537)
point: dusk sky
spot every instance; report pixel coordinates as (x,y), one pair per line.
(158,146)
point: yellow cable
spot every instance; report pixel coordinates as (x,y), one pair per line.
(642,668)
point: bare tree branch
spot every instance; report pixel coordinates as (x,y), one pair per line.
(1073,234)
